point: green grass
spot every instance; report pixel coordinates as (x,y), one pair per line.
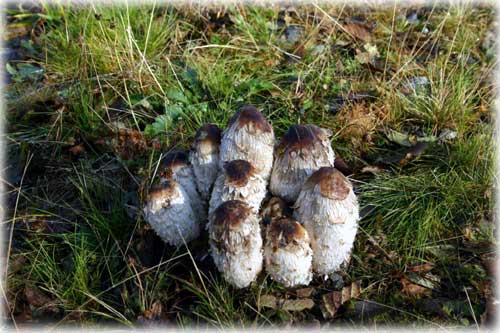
(166,70)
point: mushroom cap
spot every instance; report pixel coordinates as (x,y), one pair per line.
(172,162)
(238,172)
(249,115)
(207,138)
(249,136)
(332,183)
(285,231)
(302,150)
(299,137)
(288,254)
(329,210)
(275,208)
(170,214)
(236,243)
(231,214)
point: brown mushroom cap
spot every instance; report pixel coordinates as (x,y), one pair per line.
(250,115)
(332,183)
(284,231)
(231,213)
(238,172)
(172,161)
(166,189)
(208,134)
(302,136)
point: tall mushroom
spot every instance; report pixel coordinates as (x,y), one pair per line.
(302,150)
(238,181)
(329,210)
(287,253)
(236,243)
(204,158)
(170,214)
(175,165)
(250,137)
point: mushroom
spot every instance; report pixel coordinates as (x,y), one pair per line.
(175,165)
(302,150)
(287,253)
(236,243)
(204,158)
(250,137)
(329,210)
(238,181)
(273,209)
(170,214)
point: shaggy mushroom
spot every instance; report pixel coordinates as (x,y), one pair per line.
(302,150)
(287,253)
(170,214)
(238,181)
(175,165)
(250,137)
(236,243)
(204,158)
(328,209)
(273,209)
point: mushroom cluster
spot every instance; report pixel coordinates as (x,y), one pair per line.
(307,228)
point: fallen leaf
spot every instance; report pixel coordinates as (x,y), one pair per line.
(358,31)
(304,292)
(297,304)
(155,311)
(333,301)
(421,268)
(38,299)
(268,301)
(372,169)
(77,150)
(413,289)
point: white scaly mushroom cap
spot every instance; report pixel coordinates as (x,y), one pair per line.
(204,158)
(236,243)
(238,181)
(175,165)
(302,150)
(329,210)
(169,213)
(287,253)
(250,137)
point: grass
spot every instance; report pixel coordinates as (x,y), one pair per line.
(122,84)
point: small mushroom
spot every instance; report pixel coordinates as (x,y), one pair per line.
(175,165)
(204,158)
(274,209)
(302,150)
(236,243)
(170,214)
(238,181)
(250,137)
(329,210)
(287,253)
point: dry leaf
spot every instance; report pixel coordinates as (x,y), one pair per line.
(304,292)
(297,304)
(358,31)
(421,268)
(270,301)
(77,150)
(155,311)
(413,289)
(332,301)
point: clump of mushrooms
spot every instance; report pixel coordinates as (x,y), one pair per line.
(302,150)
(329,210)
